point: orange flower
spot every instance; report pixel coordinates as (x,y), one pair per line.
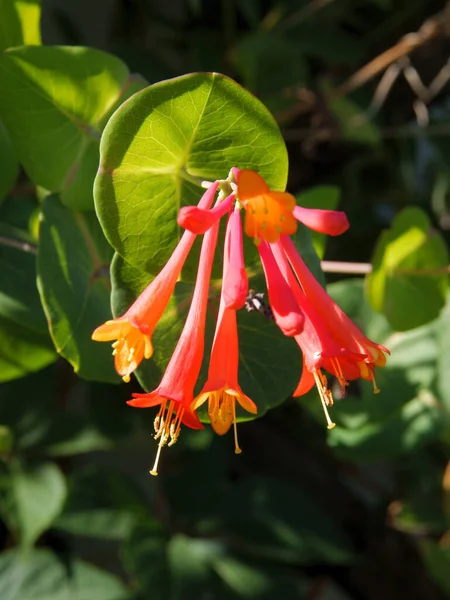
(133,331)
(175,393)
(267,214)
(270,214)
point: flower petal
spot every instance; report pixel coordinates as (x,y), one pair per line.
(330,222)
(199,220)
(285,308)
(235,280)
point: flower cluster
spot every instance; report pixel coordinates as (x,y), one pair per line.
(301,308)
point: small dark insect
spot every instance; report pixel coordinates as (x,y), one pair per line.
(255,302)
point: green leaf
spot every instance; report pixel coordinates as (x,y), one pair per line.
(443,355)
(355,125)
(269,362)
(409,263)
(272,519)
(145,558)
(262,52)
(39,493)
(73,262)
(437,561)
(326,197)
(22,351)
(20,23)
(10,166)
(101,504)
(41,575)
(405,415)
(54,101)
(160,145)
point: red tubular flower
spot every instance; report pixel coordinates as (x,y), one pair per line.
(175,393)
(133,330)
(222,389)
(341,328)
(320,350)
(235,280)
(330,222)
(285,308)
(198,220)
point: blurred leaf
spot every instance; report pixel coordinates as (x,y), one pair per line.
(6,441)
(437,561)
(101,504)
(443,355)
(25,343)
(41,575)
(8,160)
(355,125)
(73,262)
(39,493)
(404,267)
(278,521)
(167,137)
(20,23)
(22,351)
(263,52)
(258,580)
(53,101)
(19,297)
(145,558)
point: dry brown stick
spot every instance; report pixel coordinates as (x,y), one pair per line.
(429,30)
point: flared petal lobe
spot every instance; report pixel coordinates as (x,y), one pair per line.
(267,214)
(329,222)
(199,220)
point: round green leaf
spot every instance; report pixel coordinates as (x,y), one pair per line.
(409,281)
(160,145)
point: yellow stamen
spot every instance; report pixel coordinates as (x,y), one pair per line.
(376,389)
(167,426)
(237,448)
(325,397)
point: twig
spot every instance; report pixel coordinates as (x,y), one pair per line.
(354,268)
(18,245)
(429,30)
(304,13)
(346,268)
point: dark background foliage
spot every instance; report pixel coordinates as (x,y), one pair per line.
(359,513)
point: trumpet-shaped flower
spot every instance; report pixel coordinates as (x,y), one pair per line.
(222,389)
(342,329)
(133,331)
(175,393)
